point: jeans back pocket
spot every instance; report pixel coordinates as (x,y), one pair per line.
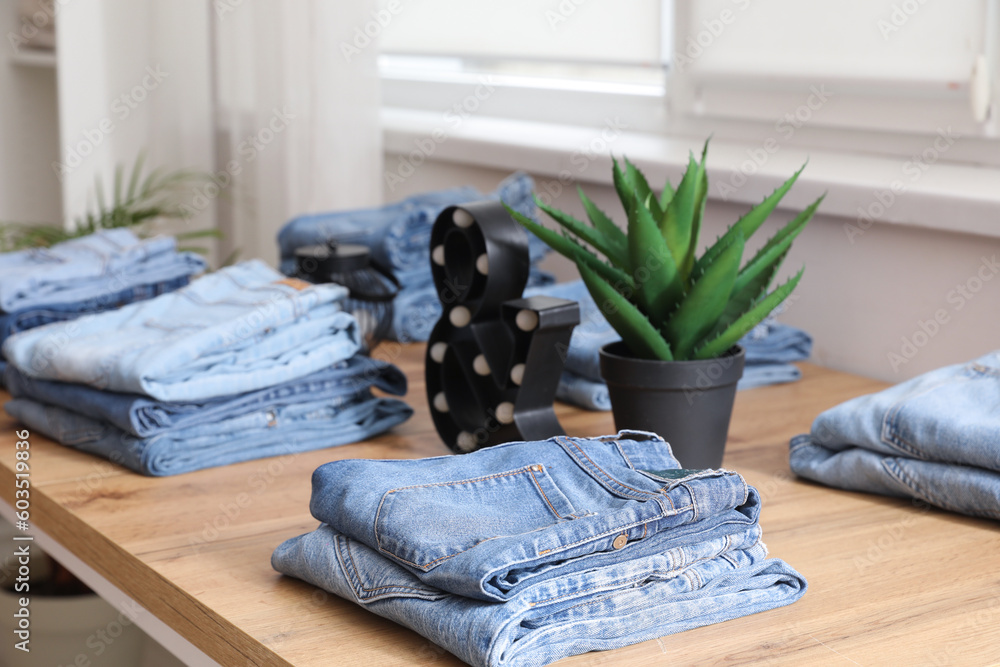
(955,420)
(422,526)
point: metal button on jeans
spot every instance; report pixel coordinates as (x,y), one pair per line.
(619,541)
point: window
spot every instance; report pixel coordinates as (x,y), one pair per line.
(883,77)
(872,76)
(562,61)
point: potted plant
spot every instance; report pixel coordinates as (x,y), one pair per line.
(679,315)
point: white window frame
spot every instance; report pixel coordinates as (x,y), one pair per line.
(562,101)
(890,118)
(550,131)
(887,118)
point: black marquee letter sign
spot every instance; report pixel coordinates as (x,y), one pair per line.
(494,359)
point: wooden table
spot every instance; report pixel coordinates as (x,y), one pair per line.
(890,582)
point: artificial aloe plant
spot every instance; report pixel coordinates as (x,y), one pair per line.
(665,302)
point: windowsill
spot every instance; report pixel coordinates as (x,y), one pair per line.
(950,197)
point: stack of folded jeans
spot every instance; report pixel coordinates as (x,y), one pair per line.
(935,438)
(770,350)
(528,552)
(90,274)
(399,238)
(243,363)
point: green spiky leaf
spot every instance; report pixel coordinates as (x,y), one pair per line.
(754,218)
(781,241)
(625,192)
(574,251)
(666,195)
(700,197)
(640,186)
(743,324)
(587,233)
(748,289)
(641,337)
(602,223)
(701,308)
(658,286)
(679,215)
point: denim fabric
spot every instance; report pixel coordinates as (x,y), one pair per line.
(763,375)
(770,347)
(89,267)
(590,335)
(267,431)
(144,418)
(590,544)
(542,507)
(36,316)
(771,342)
(398,234)
(677,590)
(583,392)
(240,329)
(935,438)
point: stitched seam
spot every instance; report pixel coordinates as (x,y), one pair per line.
(378,540)
(614,531)
(900,475)
(542,491)
(464,481)
(378,588)
(890,428)
(601,471)
(896,471)
(641,577)
(694,505)
(427,566)
(350,573)
(618,445)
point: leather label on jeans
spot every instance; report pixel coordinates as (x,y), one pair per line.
(294,283)
(675,473)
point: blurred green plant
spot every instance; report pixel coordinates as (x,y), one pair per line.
(139,202)
(665,302)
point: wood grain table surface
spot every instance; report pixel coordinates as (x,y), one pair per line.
(890,582)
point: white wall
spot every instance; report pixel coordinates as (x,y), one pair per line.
(29,136)
(857,300)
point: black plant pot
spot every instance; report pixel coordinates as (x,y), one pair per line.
(688,403)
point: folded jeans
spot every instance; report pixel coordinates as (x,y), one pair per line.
(144,417)
(299,427)
(933,438)
(89,267)
(36,316)
(243,328)
(718,579)
(527,552)
(541,508)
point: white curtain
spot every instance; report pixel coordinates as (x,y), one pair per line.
(133,76)
(258,92)
(296,120)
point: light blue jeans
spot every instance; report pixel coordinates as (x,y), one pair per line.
(398,234)
(281,429)
(240,329)
(525,553)
(143,417)
(935,438)
(89,267)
